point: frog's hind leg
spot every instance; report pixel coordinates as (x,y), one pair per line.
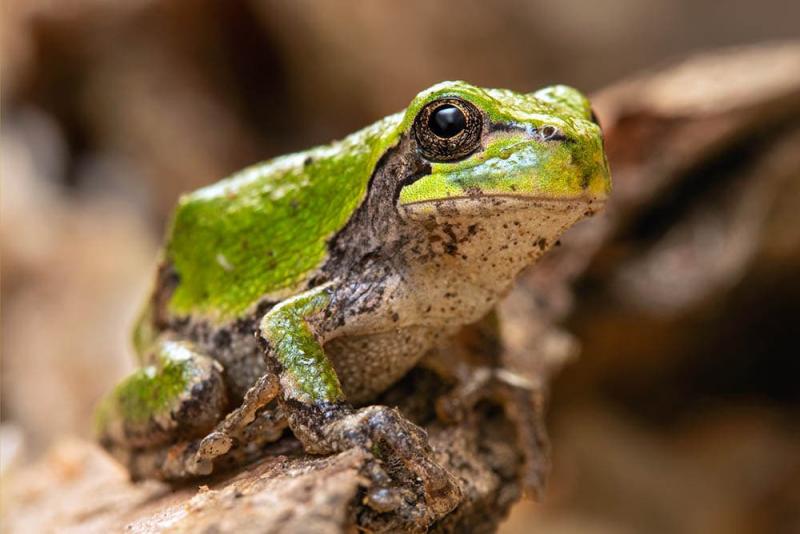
(177,396)
(166,419)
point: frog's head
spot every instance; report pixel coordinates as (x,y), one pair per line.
(500,175)
(542,146)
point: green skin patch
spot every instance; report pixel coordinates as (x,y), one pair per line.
(149,390)
(265,229)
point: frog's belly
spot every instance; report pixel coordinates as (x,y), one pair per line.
(369,364)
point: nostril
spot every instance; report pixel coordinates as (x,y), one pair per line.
(551,133)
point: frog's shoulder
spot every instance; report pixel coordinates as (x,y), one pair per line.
(264,230)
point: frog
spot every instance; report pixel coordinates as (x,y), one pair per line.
(290,295)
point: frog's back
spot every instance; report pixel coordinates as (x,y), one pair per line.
(263,231)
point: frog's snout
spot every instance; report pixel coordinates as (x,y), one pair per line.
(591,174)
(597,185)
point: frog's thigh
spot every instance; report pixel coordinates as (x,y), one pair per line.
(179,395)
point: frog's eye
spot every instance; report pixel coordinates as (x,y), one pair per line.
(448,129)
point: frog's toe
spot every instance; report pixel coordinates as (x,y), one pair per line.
(189,459)
(248,423)
(214,444)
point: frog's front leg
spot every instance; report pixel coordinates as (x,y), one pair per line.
(294,333)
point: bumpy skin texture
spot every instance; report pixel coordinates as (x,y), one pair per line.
(316,280)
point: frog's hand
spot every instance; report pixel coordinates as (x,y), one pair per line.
(180,394)
(295,332)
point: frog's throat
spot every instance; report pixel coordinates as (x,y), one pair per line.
(480,246)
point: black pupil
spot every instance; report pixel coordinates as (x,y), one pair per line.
(447,121)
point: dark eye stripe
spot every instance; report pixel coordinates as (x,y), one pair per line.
(543,133)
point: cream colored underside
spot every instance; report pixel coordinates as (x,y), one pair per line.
(468,252)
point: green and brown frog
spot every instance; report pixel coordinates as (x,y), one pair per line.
(294,292)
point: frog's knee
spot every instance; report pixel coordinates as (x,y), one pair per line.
(180,395)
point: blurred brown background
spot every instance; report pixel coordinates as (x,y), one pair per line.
(111,109)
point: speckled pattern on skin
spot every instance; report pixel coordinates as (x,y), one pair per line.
(317,280)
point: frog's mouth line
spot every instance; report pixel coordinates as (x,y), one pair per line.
(480,205)
(581,199)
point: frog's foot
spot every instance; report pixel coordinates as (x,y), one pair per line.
(235,428)
(404,459)
(184,460)
(166,420)
(236,440)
